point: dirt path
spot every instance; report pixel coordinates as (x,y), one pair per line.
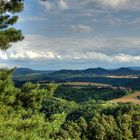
(128,98)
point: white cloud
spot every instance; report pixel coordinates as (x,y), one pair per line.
(63,5)
(113,3)
(3,55)
(81,28)
(118,5)
(31,18)
(4,65)
(55,4)
(105,12)
(125,58)
(27,55)
(131,5)
(95,50)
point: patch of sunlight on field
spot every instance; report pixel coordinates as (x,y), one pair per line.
(128,98)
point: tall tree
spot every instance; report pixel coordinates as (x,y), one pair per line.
(8,17)
(8,35)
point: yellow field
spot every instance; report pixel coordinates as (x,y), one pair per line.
(128,98)
(86,84)
(126,77)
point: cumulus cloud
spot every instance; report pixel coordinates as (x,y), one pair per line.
(79,32)
(81,28)
(112,4)
(63,5)
(60,50)
(102,11)
(55,4)
(93,4)
(28,55)
(4,65)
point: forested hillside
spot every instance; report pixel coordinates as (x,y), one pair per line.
(116,77)
(32,110)
(80,93)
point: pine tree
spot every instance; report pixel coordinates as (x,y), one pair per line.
(8,17)
(8,35)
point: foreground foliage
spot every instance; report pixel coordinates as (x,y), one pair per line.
(33,113)
(20,116)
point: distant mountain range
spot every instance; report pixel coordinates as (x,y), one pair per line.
(98,71)
(99,75)
(134,68)
(25,71)
(70,73)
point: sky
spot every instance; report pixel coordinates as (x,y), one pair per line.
(76,34)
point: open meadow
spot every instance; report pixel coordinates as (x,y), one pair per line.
(133,98)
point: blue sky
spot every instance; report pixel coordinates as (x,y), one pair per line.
(77,34)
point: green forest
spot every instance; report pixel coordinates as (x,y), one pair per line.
(84,93)
(35,112)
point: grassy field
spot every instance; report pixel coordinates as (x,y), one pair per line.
(128,98)
(87,84)
(127,77)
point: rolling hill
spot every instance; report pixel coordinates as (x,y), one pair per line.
(25,71)
(96,71)
(98,75)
